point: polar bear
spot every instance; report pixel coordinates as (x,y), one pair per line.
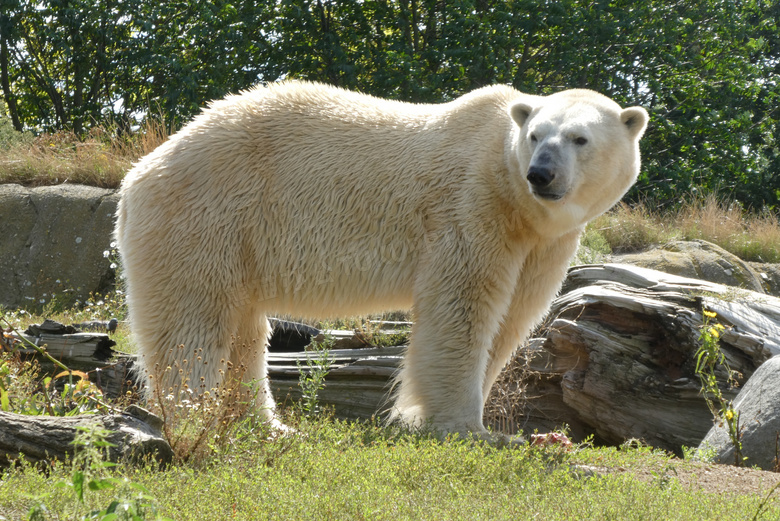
(309,200)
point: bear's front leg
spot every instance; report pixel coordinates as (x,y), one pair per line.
(441,379)
(458,304)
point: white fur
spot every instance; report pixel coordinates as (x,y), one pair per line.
(309,200)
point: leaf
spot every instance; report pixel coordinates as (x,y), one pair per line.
(78,484)
(139,487)
(5,402)
(80,374)
(102,483)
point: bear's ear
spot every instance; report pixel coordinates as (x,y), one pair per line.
(520,112)
(635,119)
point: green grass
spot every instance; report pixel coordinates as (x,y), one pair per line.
(330,469)
(337,470)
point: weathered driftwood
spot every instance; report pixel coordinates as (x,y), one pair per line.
(91,353)
(356,386)
(134,433)
(617,357)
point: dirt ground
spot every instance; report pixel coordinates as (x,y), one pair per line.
(709,478)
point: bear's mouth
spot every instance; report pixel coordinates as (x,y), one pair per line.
(548,196)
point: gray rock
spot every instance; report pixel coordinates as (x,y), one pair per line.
(770,276)
(697,259)
(758,405)
(53,243)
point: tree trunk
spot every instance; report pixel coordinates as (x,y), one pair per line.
(10,99)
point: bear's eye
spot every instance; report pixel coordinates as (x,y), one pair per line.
(533,138)
(581,141)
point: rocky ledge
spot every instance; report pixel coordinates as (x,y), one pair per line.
(54,239)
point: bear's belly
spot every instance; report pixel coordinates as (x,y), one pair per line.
(338,288)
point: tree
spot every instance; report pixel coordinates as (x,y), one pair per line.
(706,69)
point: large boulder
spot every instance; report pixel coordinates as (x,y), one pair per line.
(53,243)
(758,406)
(770,276)
(698,259)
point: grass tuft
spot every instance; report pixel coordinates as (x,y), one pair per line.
(748,235)
(101,158)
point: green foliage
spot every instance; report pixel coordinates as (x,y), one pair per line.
(9,136)
(338,470)
(703,68)
(593,247)
(312,377)
(708,357)
(89,473)
(18,381)
(389,339)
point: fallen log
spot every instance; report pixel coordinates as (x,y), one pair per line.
(135,436)
(91,353)
(616,358)
(357,384)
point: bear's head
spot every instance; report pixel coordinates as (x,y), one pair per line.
(578,151)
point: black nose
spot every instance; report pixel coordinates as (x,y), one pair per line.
(540,176)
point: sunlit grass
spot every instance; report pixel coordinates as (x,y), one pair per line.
(337,470)
(100,158)
(749,235)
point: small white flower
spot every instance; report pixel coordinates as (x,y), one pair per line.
(106,253)
(113,244)
(112,265)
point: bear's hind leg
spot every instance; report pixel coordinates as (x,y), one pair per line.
(248,353)
(181,356)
